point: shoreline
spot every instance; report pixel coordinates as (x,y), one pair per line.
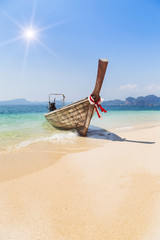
(60,137)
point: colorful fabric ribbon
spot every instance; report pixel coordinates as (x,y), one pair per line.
(97,105)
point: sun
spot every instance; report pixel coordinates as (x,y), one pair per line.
(29,34)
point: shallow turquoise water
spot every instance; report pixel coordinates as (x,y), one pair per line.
(20,125)
(119,119)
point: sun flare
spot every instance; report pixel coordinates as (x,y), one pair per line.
(29,34)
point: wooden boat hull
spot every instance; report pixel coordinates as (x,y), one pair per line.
(73,116)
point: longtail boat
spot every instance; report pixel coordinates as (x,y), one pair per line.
(78,115)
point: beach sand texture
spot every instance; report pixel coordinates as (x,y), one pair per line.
(105,188)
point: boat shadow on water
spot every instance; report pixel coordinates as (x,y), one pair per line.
(100,133)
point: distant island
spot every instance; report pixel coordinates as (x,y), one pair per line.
(149,100)
(21,101)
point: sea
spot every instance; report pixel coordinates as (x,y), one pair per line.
(21,125)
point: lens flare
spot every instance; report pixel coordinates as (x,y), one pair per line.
(29,34)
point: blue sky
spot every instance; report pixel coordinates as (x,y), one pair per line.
(126,32)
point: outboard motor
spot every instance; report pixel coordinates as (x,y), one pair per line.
(52,105)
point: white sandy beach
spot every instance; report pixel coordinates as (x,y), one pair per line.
(91,189)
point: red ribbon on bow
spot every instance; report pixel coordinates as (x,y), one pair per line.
(97,105)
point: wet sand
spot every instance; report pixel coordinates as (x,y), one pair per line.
(106,186)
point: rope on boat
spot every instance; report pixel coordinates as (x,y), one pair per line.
(97,105)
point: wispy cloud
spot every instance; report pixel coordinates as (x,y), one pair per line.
(152,87)
(140,90)
(129,87)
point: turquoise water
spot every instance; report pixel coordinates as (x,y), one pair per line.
(128,118)
(22,125)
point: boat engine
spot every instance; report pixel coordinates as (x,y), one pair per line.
(52,105)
